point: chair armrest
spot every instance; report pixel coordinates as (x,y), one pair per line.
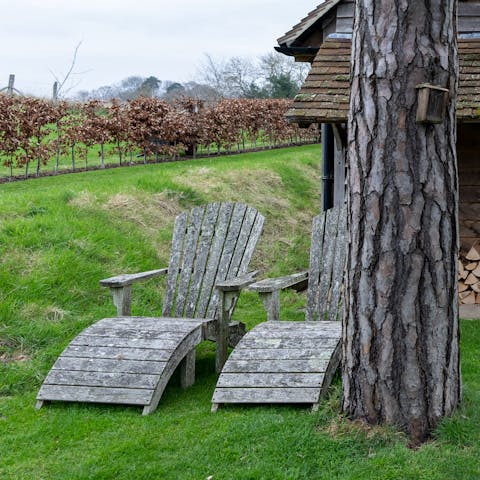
(270,288)
(236,284)
(270,285)
(130,278)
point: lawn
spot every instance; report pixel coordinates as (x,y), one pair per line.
(60,235)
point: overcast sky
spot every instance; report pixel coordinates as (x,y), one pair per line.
(164,38)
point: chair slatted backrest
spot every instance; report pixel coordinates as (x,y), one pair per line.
(327,265)
(210,244)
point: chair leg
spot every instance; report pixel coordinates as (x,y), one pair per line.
(122,299)
(187,370)
(227,303)
(271,302)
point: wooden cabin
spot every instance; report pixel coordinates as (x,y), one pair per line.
(323,38)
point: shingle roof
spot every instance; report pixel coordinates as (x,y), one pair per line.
(324,97)
(468,103)
(325,94)
(307,22)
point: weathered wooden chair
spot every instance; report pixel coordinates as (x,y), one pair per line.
(293,362)
(129,360)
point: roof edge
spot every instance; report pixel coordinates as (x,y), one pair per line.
(300,28)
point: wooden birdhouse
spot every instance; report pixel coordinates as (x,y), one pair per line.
(432,103)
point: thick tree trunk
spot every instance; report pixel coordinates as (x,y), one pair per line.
(401,354)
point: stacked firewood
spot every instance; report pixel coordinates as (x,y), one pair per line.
(469,277)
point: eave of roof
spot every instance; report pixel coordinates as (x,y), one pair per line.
(297,51)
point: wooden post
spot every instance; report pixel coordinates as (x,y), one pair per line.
(122,299)
(187,370)
(227,302)
(55,92)
(11,83)
(10,89)
(271,302)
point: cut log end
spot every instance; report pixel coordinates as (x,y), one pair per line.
(469,277)
(471,266)
(471,280)
(470,299)
(473,254)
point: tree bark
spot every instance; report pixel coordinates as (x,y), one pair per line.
(401,353)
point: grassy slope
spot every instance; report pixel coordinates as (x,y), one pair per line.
(60,235)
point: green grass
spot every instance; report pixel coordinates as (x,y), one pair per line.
(60,235)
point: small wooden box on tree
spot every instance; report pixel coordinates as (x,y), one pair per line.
(432,103)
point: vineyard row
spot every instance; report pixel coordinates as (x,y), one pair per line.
(36,132)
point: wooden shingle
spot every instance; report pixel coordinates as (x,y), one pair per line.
(325,94)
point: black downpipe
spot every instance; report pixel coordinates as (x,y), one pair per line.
(328,162)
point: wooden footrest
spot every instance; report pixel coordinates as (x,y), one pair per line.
(281,362)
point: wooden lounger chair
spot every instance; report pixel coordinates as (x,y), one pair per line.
(129,360)
(293,362)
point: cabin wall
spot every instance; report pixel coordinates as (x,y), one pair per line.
(468,152)
(328,26)
(345,14)
(314,39)
(468,17)
(339,186)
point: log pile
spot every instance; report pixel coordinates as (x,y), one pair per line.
(469,277)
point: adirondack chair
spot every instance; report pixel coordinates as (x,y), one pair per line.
(129,360)
(293,362)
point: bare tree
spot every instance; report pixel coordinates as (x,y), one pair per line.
(275,64)
(241,76)
(271,75)
(62,81)
(212,72)
(231,78)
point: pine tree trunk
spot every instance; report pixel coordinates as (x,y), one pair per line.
(401,354)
